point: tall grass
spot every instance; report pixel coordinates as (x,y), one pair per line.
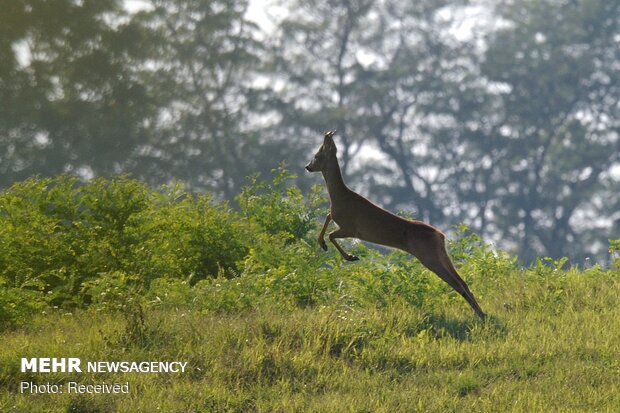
(551,346)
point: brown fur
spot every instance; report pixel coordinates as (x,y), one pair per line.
(357,217)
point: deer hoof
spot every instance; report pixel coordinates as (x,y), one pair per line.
(323,244)
(352,258)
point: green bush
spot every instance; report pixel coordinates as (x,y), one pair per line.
(280,209)
(614,250)
(74,243)
(56,234)
(18,305)
(186,236)
(107,243)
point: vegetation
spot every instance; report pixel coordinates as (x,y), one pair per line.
(267,321)
(502,115)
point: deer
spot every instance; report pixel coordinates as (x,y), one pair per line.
(357,217)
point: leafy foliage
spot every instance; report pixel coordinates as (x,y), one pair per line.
(614,250)
(75,244)
(278,208)
(70,100)
(109,243)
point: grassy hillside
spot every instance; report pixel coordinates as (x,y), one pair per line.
(552,347)
(268,322)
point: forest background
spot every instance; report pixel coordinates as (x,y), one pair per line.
(502,115)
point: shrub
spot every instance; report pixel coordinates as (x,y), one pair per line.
(186,236)
(73,243)
(109,242)
(55,234)
(477,260)
(614,250)
(280,209)
(18,305)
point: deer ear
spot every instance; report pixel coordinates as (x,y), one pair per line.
(328,141)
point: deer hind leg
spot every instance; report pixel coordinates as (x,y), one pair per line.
(437,260)
(342,233)
(322,243)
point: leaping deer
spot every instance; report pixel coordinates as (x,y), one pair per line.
(357,217)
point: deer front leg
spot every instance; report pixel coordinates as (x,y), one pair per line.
(322,243)
(340,233)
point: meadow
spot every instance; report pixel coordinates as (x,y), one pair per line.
(268,322)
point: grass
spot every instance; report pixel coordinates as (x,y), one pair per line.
(268,322)
(551,345)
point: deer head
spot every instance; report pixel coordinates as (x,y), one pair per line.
(324,154)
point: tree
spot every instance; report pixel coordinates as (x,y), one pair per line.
(557,65)
(70,100)
(203,61)
(517,138)
(376,70)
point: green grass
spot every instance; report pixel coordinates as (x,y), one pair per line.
(552,344)
(113,270)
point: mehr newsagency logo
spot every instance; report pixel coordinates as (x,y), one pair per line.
(75,365)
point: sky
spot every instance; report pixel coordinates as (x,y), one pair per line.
(257,11)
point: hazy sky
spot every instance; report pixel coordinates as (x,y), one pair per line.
(256,10)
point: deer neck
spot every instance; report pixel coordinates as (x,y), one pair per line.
(333,179)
